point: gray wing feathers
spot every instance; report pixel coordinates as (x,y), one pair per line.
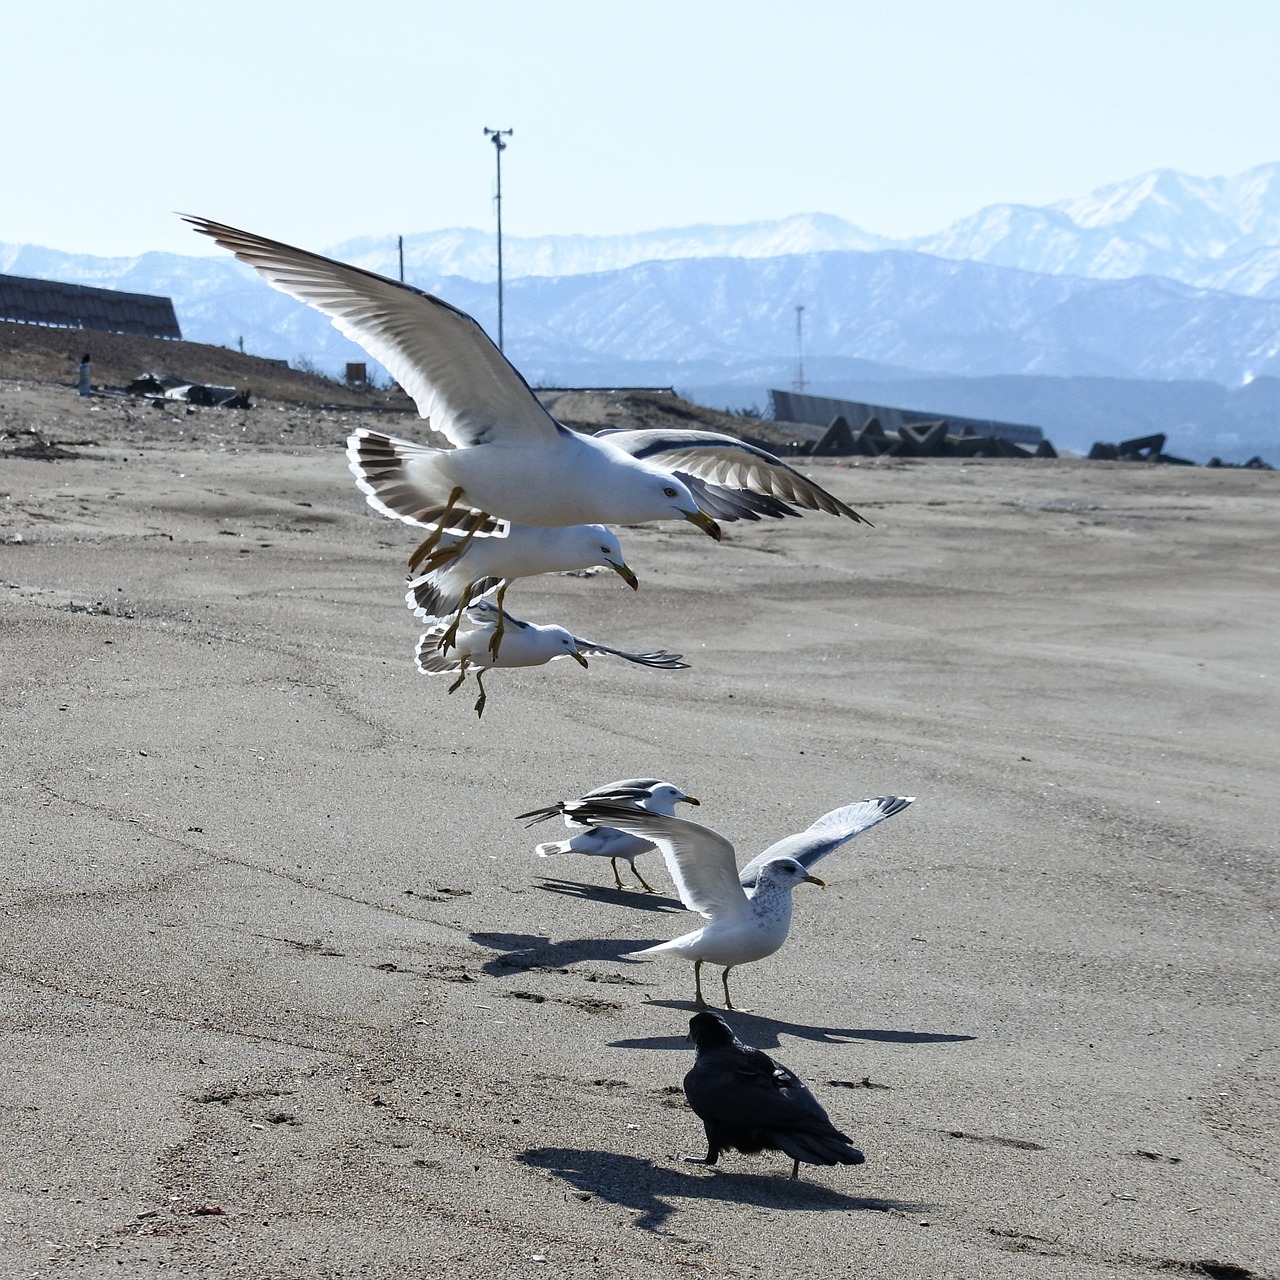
(659,658)
(700,861)
(827,834)
(732,465)
(628,791)
(440,355)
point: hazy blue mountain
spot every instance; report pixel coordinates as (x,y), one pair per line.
(1216,233)
(897,308)
(909,310)
(1163,277)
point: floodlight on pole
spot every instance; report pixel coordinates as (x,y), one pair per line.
(799,382)
(496,136)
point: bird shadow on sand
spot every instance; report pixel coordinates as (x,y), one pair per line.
(635,898)
(763,1033)
(520,952)
(649,1189)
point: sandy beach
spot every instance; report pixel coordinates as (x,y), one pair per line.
(286,993)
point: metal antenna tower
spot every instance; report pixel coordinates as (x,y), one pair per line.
(799,382)
(497,135)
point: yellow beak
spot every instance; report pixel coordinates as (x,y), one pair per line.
(705,523)
(579,659)
(625,574)
(691,800)
(822,884)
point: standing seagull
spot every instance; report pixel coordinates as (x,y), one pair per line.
(510,460)
(650,794)
(748,1102)
(527,645)
(748,911)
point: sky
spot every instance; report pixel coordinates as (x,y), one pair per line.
(316,123)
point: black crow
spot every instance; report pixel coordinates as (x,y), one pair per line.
(749,1102)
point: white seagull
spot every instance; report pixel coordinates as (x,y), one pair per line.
(510,460)
(459,569)
(748,911)
(650,794)
(526,645)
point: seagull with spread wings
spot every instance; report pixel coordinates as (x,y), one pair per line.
(509,460)
(748,912)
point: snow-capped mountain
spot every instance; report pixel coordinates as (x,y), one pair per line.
(1162,277)
(1217,233)
(471,254)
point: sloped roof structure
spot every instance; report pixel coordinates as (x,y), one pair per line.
(77,306)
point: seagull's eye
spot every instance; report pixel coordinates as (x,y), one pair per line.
(605,550)
(669,491)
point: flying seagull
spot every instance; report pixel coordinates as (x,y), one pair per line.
(748,1102)
(458,569)
(510,460)
(526,645)
(650,794)
(748,912)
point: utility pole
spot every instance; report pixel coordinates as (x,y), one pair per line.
(497,135)
(401,239)
(799,383)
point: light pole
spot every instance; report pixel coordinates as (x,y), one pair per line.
(799,382)
(497,135)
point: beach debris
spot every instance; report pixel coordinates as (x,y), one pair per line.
(158,387)
(749,1102)
(1140,449)
(1254,464)
(41,448)
(198,1208)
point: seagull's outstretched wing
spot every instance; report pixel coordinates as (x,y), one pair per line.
(659,658)
(438,354)
(732,473)
(701,861)
(827,834)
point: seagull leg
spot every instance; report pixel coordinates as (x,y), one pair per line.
(450,637)
(496,639)
(425,559)
(462,675)
(480,701)
(438,532)
(795,1170)
(697,984)
(617,879)
(648,888)
(724,977)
